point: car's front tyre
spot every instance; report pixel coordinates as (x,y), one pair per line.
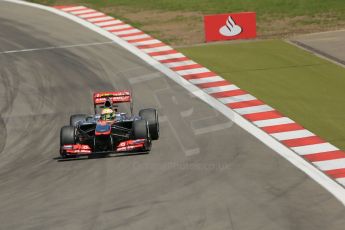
(151,116)
(67,137)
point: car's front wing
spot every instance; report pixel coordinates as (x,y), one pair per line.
(129,146)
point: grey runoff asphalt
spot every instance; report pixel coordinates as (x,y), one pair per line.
(204,172)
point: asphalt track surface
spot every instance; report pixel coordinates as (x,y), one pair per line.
(329,44)
(203,173)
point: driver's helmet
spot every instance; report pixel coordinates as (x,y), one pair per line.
(107,115)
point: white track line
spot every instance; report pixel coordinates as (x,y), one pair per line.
(341,180)
(219,89)
(206,80)
(332,186)
(82,11)
(55,47)
(73,8)
(91,15)
(193,71)
(180,63)
(134,37)
(316,148)
(157,49)
(272,122)
(117,27)
(147,42)
(239,98)
(254,109)
(126,32)
(331,164)
(168,56)
(109,23)
(100,19)
(293,134)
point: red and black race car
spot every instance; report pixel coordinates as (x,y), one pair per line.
(92,135)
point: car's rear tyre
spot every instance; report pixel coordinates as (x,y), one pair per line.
(151,116)
(140,130)
(67,137)
(74,119)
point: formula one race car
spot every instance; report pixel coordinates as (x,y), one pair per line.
(109,131)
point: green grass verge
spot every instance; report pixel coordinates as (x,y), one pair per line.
(275,7)
(300,85)
(275,18)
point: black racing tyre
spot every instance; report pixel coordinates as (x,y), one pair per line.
(74,119)
(67,135)
(151,116)
(140,130)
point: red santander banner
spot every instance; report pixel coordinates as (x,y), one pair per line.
(230,26)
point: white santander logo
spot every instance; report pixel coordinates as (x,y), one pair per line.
(230,29)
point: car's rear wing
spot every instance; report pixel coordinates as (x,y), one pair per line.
(114,97)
